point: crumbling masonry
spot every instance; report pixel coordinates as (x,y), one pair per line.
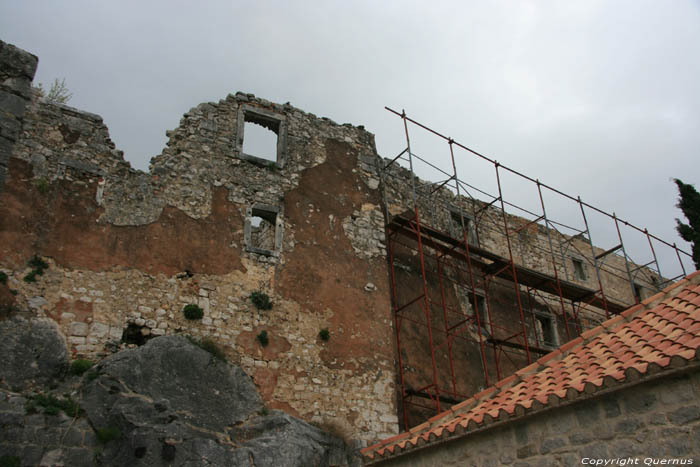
(127,250)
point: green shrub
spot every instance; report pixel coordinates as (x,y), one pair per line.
(193,312)
(38,264)
(30,277)
(107,434)
(261,300)
(263,339)
(3,278)
(325,334)
(52,405)
(80,366)
(42,185)
(92,375)
(10,461)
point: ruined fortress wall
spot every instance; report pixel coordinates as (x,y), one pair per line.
(127,250)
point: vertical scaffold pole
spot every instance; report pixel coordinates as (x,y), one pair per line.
(595,259)
(468,257)
(512,266)
(426,298)
(554,263)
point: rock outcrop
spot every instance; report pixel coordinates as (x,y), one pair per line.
(33,353)
(168,402)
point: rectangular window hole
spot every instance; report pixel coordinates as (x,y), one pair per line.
(546,335)
(579,269)
(260,139)
(461,223)
(262,229)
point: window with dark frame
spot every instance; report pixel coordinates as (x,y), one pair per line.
(638,292)
(263,230)
(262,136)
(579,269)
(546,333)
(462,220)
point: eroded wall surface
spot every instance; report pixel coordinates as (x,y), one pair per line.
(127,250)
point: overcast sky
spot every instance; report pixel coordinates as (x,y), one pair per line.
(598,98)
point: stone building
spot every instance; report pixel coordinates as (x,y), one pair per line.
(114,255)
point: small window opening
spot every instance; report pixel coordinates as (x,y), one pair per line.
(546,334)
(460,221)
(260,140)
(579,269)
(263,230)
(478,308)
(638,292)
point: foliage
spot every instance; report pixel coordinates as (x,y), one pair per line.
(92,375)
(109,433)
(52,405)
(689,204)
(38,266)
(58,93)
(193,312)
(263,339)
(325,334)
(210,346)
(42,185)
(80,366)
(3,278)
(10,461)
(261,300)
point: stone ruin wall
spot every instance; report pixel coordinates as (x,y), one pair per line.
(530,243)
(127,250)
(530,247)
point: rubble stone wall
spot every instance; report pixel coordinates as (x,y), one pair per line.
(127,250)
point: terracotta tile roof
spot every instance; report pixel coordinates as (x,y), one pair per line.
(661,333)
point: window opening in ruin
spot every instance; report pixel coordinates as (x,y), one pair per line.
(259,141)
(546,334)
(579,269)
(261,136)
(456,226)
(263,234)
(638,292)
(479,307)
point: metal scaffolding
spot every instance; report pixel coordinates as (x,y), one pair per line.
(442,261)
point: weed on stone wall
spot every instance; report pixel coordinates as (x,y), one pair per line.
(263,339)
(80,366)
(3,278)
(261,300)
(10,461)
(42,185)
(38,266)
(193,312)
(51,405)
(324,334)
(107,434)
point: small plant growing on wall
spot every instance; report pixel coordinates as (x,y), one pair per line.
(3,278)
(261,300)
(325,334)
(193,312)
(263,339)
(80,366)
(38,266)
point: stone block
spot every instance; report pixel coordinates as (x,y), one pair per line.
(552,444)
(79,329)
(684,415)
